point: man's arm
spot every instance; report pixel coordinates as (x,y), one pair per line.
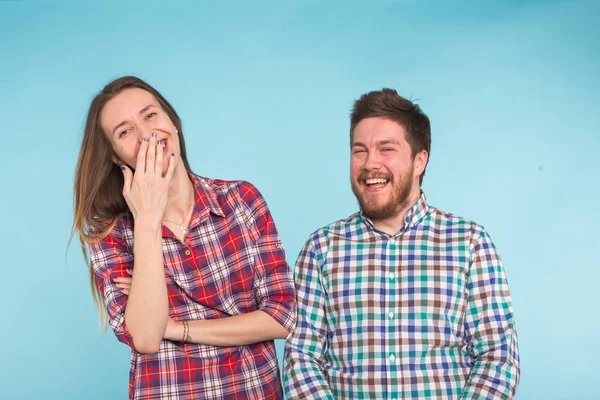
(489,326)
(305,349)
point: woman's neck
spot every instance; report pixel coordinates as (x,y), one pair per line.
(181,195)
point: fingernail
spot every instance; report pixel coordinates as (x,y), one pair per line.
(153,134)
(173,155)
(123,167)
(160,142)
(145,139)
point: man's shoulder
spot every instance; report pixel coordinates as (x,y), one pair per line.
(346,227)
(445,220)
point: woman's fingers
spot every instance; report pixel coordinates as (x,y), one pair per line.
(160,147)
(140,165)
(151,155)
(171,169)
(124,281)
(123,284)
(127,179)
(147,189)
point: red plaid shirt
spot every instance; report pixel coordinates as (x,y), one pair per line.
(232,262)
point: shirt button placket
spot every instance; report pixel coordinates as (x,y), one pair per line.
(192,262)
(390,316)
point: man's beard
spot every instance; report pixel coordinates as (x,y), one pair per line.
(396,201)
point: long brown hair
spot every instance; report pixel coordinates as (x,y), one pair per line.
(98,190)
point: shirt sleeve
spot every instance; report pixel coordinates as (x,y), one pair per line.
(305,349)
(274,283)
(489,326)
(110,258)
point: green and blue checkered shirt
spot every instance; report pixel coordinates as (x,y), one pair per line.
(425,313)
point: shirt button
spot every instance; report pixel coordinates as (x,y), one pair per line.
(187,252)
(391,315)
(392,358)
(391,275)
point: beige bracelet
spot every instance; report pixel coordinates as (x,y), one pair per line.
(185,331)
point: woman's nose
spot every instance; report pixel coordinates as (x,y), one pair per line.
(143,133)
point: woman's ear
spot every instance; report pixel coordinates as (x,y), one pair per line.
(117,160)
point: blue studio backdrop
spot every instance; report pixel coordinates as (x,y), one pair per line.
(264,90)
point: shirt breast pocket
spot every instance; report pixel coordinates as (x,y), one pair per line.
(220,283)
(202,282)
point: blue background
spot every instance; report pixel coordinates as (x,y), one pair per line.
(264,90)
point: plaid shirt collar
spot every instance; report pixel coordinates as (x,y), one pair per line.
(206,200)
(413,217)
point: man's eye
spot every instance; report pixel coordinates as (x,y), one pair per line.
(358,151)
(387,149)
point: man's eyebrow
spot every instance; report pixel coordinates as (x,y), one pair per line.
(379,143)
(388,141)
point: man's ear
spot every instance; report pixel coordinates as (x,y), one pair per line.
(420,162)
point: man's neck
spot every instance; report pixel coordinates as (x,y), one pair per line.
(393,224)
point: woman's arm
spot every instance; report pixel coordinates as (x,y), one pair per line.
(238,330)
(146,193)
(147,308)
(273,289)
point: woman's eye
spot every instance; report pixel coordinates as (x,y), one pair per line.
(152,114)
(123,133)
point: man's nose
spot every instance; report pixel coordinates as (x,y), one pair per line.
(373,161)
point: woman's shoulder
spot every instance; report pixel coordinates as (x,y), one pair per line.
(226,189)
(120,228)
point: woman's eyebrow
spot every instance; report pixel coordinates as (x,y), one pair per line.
(143,110)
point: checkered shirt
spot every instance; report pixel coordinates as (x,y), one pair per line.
(423,314)
(231,263)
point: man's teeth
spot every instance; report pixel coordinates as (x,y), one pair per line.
(376,180)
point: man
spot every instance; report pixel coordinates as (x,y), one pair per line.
(400,300)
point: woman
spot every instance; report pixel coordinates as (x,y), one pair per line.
(210,288)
